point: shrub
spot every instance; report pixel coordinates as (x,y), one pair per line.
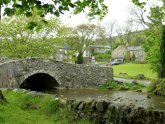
(108,52)
(102,56)
(80,58)
(122,86)
(158,87)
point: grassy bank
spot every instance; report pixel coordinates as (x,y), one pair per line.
(133,70)
(112,85)
(24,108)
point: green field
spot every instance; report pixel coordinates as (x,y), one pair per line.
(133,70)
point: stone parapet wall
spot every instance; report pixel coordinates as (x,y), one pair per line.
(13,73)
(101,112)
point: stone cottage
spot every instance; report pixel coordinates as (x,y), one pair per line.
(118,54)
(139,53)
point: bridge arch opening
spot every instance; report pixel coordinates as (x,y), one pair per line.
(39,81)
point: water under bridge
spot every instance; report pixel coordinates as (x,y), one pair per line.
(39,73)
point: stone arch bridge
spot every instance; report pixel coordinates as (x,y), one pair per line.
(38,73)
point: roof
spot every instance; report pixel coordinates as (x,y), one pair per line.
(101,46)
(66,47)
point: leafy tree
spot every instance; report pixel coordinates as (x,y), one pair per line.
(120,33)
(110,27)
(84,35)
(154,45)
(162,54)
(55,7)
(80,58)
(128,29)
(17,41)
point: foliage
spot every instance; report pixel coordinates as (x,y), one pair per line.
(17,41)
(55,7)
(35,109)
(133,57)
(102,56)
(71,56)
(122,86)
(108,52)
(133,69)
(127,56)
(154,33)
(2,98)
(152,48)
(162,55)
(157,87)
(83,36)
(138,3)
(135,38)
(80,59)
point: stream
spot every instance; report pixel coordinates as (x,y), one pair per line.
(130,98)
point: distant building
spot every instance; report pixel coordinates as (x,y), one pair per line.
(120,51)
(139,53)
(65,53)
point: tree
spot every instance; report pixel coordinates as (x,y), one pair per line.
(55,7)
(17,41)
(162,54)
(84,35)
(154,33)
(128,32)
(120,33)
(110,27)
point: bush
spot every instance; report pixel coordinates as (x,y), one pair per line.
(158,87)
(80,58)
(108,52)
(102,56)
(121,86)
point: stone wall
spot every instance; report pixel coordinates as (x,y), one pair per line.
(14,73)
(101,112)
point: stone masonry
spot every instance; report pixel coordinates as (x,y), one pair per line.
(14,73)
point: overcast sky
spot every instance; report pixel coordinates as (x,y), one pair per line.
(118,10)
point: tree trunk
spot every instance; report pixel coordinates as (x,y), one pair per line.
(0,15)
(162,55)
(110,41)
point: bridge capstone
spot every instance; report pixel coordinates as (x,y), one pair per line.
(16,72)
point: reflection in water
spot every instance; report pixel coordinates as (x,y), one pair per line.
(116,97)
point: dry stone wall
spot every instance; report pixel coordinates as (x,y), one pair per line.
(102,112)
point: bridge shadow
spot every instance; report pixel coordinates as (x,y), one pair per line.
(39,81)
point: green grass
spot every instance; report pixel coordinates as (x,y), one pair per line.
(22,108)
(133,70)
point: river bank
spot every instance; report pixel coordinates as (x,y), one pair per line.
(30,107)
